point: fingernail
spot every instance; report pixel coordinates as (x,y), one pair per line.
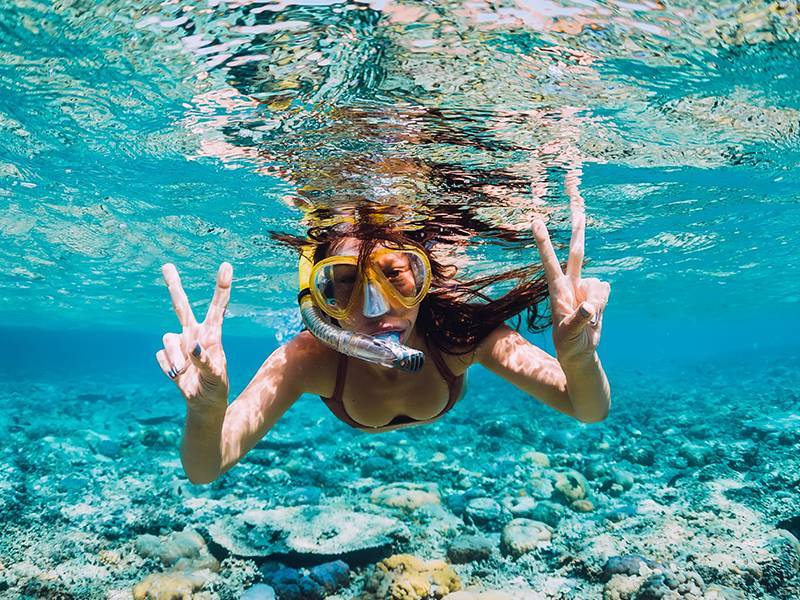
(197,351)
(584,312)
(171,373)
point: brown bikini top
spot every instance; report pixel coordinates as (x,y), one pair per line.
(336,405)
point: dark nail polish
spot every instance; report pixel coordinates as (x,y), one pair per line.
(196,351)
(171,373)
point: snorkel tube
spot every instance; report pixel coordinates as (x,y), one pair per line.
(385,350)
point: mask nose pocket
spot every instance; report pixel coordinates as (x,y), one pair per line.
(375,303)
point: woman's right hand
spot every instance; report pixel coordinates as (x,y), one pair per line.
(194,359)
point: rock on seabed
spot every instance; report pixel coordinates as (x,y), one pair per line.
(304,532)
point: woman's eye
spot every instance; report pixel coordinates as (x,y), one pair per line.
(345,276)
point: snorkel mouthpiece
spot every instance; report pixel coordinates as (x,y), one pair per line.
(385,350)
(406,358)
(391,336)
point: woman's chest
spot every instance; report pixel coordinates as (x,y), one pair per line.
(420,396)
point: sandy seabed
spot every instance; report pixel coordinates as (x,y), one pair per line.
(688,490)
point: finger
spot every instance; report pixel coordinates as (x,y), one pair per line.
(546,252)
(579,319)
(222,295)
(161,357)
(596,305)
(179,300)
(597,294)
(577,240)
(201,358)
(176,357)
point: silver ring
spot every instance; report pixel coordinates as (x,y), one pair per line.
(173,372)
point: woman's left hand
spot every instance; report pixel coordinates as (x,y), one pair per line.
(577,304)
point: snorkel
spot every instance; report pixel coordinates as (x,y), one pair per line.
(385,350)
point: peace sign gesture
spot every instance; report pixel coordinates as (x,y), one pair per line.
(194,359)
(577,304)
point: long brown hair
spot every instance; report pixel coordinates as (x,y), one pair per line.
(455,315)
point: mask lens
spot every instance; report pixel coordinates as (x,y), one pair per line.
(336,284)
(405,272)
(402,275)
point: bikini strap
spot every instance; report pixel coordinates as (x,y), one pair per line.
(455,383)
(441,365)
(341,376)
(334,403)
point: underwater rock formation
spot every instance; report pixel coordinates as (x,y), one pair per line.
(406,577)
(536,459)
(485,513)
(180,550)
(519,506)
(718,530)
(186,555)
(523,535)
(630,564)
(467,595)
(469,548)
(780,561)
(307,534)
(169,586)
(406,495)
(315,584)
(569,486)
(547,512)
(259,591)
(656,584)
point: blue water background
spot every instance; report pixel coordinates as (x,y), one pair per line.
(693,221)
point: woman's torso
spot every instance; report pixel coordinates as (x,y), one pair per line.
(375,404)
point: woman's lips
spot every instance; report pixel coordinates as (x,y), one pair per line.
(387,328)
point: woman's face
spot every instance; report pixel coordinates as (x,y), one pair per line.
(389,315)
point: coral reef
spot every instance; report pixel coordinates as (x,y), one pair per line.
(406,495)
(651,504)
(406,577)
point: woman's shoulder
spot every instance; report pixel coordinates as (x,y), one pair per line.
(460,358)
(457,359)
(314,362)
(307,343)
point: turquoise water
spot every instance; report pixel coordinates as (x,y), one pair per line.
(134,133)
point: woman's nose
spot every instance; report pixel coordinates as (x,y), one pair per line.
(375,303)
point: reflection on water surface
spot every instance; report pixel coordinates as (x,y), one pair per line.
(679,121)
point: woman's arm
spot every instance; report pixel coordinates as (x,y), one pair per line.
(213,443)
(577,389)
(588,387)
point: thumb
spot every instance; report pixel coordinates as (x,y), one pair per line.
(200,359)
(580,318)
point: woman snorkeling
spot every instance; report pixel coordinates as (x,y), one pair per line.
(390,336)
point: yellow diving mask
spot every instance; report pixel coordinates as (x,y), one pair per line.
(337,283)
(334,286)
